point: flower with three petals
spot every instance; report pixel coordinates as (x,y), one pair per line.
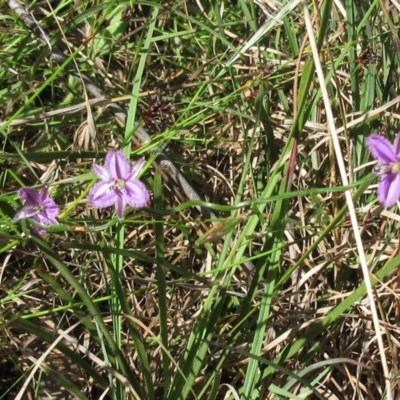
(39,206)
(119,185)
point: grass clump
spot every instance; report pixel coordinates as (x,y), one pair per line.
(263,267)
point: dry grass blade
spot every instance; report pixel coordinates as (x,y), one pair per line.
(349,199)
(38,363)
(62,111)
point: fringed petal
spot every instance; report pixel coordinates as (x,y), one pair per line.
(30,196)
(26,212)
(101,195)
(101,172)
(381,149)
(137,168)
(136,194)
(120,206)
(389,189)
(117,165)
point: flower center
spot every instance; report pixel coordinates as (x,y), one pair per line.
(39,208)
(396,167)
(118,184)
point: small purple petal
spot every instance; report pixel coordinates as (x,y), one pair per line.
(389,189)
(26,212)
(44,193)
(101,172)
(50,217)
(136,194)
(136,169)
(381,149)
(117,165)
(51,208)
(43,219)
(396,145)
(40,207)
(101,196)
(120,206)
(30,196)
(39,231)
(51,221)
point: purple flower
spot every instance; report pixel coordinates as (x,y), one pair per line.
(39,206)
(118,186)
(387,168)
